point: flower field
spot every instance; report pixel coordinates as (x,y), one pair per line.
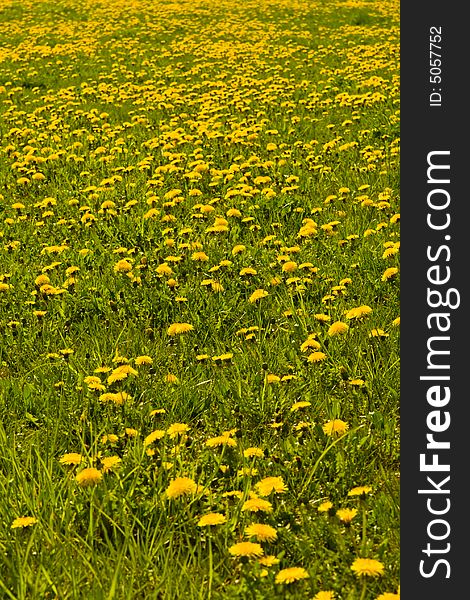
(199,299)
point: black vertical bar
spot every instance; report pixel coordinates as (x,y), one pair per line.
(435,396)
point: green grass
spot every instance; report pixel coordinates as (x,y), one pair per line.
(124,107)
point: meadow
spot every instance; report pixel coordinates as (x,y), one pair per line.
(199,299)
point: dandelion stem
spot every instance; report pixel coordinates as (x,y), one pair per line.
(364,588)
(211,566)
(364,528)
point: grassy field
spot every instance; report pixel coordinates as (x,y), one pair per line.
(199,299)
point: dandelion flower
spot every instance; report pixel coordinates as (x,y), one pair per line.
(269,561)
(316,357)
(257,505)
(346,515)
(263,533)
(358,312)
(120,373)
(325,506)
(335,426)
(177,429)
(337,328)
(171,378)
(249,549)
(250,452)
(181,486)
(237,249)
(71,458)
(110,462)
(178,328)
(310,343)
(324,596)
(122,266)
(23,522)
(367,567)
(298,405)
(380,333)
(291,574)
(389,273)
(289,266)
(155,435)
(212,519)
(143,360)
(199,256)
(270,484)
(257,295)
(221,440)
(360,490)
(388,596)
(88,477)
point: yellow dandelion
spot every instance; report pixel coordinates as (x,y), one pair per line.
(367,567)
(289,266)
(120,373)
(88,477)
(110,462)
(181,486)
(199,256)
(322,317)
(131,432)
(143,360)
(123,266)
(291,574)
(164,269)
(269,561)
(360,490)
(257,295)
(178,328)
(262,532)
(155,435)
(212,519)
(376,332)
(388,596)
(23,522)
(248,549)
(324,596)
(237,249)
(308,344)
(257,505)
(325,506)
(335,426)
(221,440)
(270,484)
(358,312)
(389,273)
(71,458)
(316,357)
(346,515)
(177,429)
(337,328)
(254,451)
(299,405)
